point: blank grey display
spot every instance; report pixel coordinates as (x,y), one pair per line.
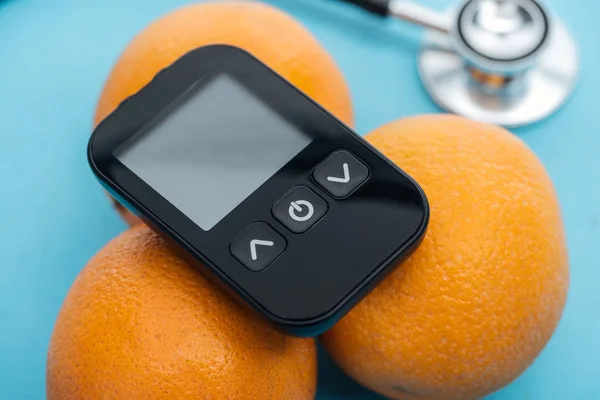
(213,150)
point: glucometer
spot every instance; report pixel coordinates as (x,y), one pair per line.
(260,187)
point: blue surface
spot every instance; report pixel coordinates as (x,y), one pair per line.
(54,56)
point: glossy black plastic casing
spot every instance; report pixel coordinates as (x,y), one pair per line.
(323,272)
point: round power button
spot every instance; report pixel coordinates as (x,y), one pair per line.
(299,215)
(301,210)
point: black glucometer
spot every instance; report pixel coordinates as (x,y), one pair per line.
(262,188)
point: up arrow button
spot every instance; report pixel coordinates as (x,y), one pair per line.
(257,246)
(255,243)
(327,175)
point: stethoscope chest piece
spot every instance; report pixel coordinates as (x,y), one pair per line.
(503,62)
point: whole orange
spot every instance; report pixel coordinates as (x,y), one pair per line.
(480,298)
(140,323)
(269,34)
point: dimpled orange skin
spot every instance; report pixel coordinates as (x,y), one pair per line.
(269,34)
(477,302)
(139,323)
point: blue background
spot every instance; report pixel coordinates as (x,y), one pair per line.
(54,57)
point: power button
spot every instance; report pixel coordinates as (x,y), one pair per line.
(300,209)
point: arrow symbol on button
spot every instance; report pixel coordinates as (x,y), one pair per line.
(346,177)
(257,242)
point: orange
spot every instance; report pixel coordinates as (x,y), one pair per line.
(480,298)
(269,34)
(140,323)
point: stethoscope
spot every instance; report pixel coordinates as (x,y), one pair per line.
(506,62)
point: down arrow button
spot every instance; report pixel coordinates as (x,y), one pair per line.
(340,174)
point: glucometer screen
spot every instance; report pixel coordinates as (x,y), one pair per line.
(212,150)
